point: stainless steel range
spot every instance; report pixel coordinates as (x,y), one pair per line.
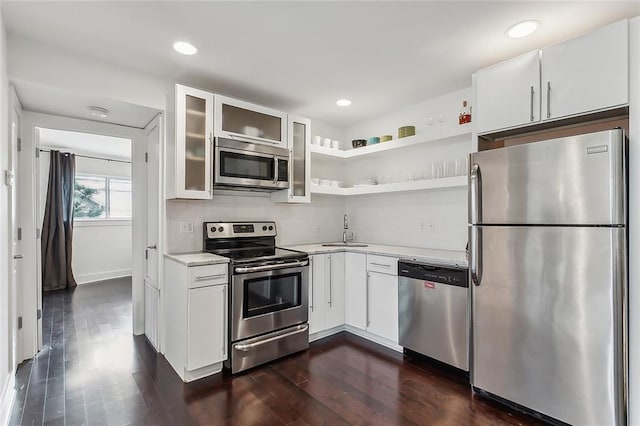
(269,291)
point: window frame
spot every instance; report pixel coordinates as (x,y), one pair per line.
(107,198)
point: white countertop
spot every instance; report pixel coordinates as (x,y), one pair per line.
(197,259)
(444,257)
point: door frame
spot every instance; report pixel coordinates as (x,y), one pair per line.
(29,175)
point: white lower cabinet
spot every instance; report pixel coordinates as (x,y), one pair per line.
(207,306)
(327,292)
(355,273)
(371,295)
(382,305)
(195,318)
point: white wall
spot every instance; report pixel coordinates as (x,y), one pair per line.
(429,219)
(101,249)
(8,306)
(296,223)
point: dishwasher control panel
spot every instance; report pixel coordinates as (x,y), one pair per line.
(435,273)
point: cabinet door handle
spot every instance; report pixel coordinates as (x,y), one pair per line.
(311,283)
(548,99)
(224,321)
(330,281)
(367,300)
(531,118)
(381,264)
(210,277)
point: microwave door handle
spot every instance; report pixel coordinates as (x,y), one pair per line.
(275,172)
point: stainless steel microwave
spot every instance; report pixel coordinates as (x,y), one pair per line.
(246,165)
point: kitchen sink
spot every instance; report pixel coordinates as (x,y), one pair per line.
(345,245)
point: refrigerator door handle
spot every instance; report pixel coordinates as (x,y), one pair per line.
(475,268)
(475,192)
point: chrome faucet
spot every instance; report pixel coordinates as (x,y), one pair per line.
(346,227)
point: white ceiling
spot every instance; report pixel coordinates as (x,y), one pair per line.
(302,56)
(46,99)
(108,147)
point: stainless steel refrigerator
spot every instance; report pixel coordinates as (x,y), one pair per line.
(548,250)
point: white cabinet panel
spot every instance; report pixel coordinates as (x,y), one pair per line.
(206,339)
(382,264)
(299,136)
(189,143)
(235,119)
(508,93)
(382,304)
(355,273)
(587,73)
(326,305)
(317,292)
(335,290)
(206,275)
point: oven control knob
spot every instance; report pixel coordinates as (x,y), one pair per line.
(271,228)
(221,229)
(213,229)
(264,228)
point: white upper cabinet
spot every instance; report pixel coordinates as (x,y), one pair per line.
(189,143)
(586,74)
(299,142)
(508,94)
(241,120)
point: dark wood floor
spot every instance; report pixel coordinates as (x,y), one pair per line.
(95,372)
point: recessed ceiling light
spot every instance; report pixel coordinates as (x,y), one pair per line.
(522,29)
(343,102)
(98,112)
(185,48)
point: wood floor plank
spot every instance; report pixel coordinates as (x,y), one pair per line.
(93,371)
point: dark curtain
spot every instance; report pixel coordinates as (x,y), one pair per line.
(57,229)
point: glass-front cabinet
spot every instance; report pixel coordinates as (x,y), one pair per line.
(190,144)
(299,135)
(241,120)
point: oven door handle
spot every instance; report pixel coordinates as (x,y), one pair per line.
(245,347)
(248,269)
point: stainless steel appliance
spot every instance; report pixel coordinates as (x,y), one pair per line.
(253,166)
(433,311)
(268,297)
(548,262)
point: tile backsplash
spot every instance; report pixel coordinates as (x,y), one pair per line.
(296,223)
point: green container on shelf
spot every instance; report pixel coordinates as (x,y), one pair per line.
(405,131)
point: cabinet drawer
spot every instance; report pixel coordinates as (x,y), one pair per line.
(383,264)
(202,276)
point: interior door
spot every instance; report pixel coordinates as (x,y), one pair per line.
(152,293)
(16,246)
(153,134)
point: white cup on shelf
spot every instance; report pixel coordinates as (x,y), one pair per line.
(317,140)
(315,181)
(336,144)
(326,142)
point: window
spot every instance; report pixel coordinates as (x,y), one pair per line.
(97,197)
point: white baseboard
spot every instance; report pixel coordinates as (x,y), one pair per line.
(325,333)
(358,332)
(100,276)
(374,338)
(6,399)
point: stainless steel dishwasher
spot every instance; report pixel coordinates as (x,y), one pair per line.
(433,311)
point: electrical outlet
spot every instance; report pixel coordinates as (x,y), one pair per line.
(186,227)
